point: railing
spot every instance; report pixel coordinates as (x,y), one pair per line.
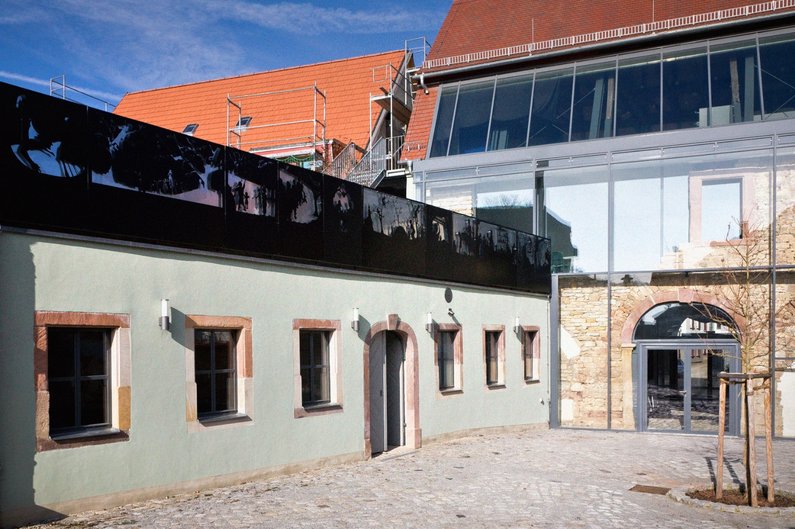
(342,164)
(383,157)
(72,169)
(399,83)
(627,31)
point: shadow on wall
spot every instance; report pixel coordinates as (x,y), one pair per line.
(17,385)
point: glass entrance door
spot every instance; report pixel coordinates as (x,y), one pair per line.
(680,386)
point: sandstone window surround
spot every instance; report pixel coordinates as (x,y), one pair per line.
(494,356)
(239,329)
(111,375)
(449,358)
(317,367)
(531,353)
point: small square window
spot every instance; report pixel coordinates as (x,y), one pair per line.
(317,349)
(531,353)
(190,129)
(449,357)
(243,122)
(494,355)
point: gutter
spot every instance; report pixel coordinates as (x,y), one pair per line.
(420,79)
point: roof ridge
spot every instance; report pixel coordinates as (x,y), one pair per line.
(250,74)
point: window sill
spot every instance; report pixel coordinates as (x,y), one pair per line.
(529,381)
(317,409)
(495,386)
(228,418)
(451,391)
(78,438)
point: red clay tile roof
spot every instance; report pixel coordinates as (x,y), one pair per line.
(347,84)
(417,136)
(482,25)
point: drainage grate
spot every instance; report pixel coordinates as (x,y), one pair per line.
(649,489)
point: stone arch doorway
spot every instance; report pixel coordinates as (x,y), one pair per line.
(391,387)
(679,350)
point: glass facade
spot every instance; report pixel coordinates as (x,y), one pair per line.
(711,83)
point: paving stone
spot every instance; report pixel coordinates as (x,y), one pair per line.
(529,479)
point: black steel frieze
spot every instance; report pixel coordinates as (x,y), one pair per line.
(69,168)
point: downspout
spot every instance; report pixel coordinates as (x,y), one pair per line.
(422,83)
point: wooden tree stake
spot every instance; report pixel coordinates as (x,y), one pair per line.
(750,432)
(721,435)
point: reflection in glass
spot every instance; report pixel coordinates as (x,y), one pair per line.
(511,113)
(666,389)
(778,76)
(444,119)
(638,103)
(705,365)
(735,91)
(465,235)
(549,121)
(650,215)
(594,99)
(472,118)
(575,218)
(720,210)
(785,206)
(685,90)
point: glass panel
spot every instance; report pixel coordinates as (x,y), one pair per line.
(93,398)
(785,206)
(666,389)
(505,200)
(201,354)
(720,210)
(141,157)
(675,321)
(735,86)
(472,118)
(511,113)
(583,351)
(778,76)
(225,392)
(203,394)
(444,119)
(60,353)
(306,395)
(527,354)
(306,347)
(685,90)
(92,353)
(575,218)
(705,364)
(549,121)
(644,236)
(224,350)
(320,385)
(465,235)
(492,347)
(62,405)
(638,103)
(594,101)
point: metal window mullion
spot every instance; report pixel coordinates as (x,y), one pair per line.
(530,110)
(452,120)
(662,99)
(759,76)
(772,211)
(491,114)
(571,104)
(709,85)
(615,102)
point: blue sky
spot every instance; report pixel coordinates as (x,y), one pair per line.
(110,48)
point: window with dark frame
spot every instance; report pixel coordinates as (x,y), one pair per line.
(446,359)
(190,129)
(492,345)
(315,376)
(215,361)
(529,344)
(78,379)
(243,122)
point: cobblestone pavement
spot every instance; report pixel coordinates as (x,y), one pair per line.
(543,479)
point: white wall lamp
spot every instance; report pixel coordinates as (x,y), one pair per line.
(355,319)
(516,326)
(429,322)
(165,319)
